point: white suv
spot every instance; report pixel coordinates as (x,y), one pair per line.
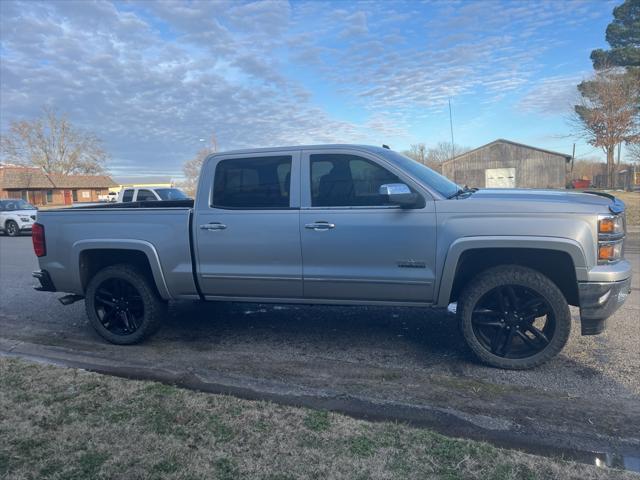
(16,216)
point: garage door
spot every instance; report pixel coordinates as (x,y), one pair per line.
(500,177)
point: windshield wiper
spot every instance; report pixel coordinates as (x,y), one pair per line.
(462,191)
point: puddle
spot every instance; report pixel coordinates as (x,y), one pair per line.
(614,460)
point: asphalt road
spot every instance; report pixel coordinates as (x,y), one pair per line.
(407,364)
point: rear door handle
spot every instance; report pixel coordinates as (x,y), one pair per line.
(320,226)
(213,226)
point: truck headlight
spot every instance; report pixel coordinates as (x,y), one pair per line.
(611,225)
(611,232)
(609,251)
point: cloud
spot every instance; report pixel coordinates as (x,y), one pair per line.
(552,95)
(151,78)
(150,98)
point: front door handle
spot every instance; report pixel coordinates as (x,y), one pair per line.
(320,226)
(213,226)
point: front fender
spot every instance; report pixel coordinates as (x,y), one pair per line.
(461,245)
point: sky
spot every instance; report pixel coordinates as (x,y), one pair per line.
(153,79)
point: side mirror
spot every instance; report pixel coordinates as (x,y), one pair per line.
(398,194)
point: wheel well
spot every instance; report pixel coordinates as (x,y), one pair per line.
(558,266)
(92,261)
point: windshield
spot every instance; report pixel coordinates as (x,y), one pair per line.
(171,194)
(439,183)
(16,205)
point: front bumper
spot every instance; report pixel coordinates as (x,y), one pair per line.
(600,300)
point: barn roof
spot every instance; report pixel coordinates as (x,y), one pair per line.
(502,140)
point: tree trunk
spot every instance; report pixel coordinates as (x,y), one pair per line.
(610,167)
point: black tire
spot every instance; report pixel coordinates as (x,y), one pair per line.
(142,309)
(11,228)
(534,293)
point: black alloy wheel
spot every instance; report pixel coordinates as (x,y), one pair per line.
(514,317)
(513,321)
(119,306)
(123,304)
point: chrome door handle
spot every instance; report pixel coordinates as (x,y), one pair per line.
(320,226)
(213,226)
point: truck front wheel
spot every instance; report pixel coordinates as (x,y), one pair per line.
(514,317)
(122,305)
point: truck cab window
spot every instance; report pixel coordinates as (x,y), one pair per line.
(253,183)
(347,181)
(127,196)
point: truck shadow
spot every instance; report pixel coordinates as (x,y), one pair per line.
(394,331)
(389,337)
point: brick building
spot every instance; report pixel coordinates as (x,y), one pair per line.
(40,189)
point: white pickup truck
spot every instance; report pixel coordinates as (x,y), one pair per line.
(147,194)
(348,225)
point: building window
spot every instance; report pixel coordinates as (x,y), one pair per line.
(24,195)
(49,196)
(74,193)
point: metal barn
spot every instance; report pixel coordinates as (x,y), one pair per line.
(507,164)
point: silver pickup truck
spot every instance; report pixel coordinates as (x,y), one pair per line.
(347,225)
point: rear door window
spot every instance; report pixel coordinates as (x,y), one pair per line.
(127,196)
(253,183)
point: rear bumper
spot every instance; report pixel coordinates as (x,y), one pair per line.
(46,284)
(600,300)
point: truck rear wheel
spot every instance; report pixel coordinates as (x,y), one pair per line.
(122,305)
(514,317)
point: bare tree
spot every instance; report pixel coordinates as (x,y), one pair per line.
(192,167)
(444,151)
(633,152)
(434,156)
(587,168)
(609,113)
(54,144)
(417,152)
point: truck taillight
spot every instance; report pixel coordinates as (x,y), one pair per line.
(37,236)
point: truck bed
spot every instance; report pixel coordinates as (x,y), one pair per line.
(162,230)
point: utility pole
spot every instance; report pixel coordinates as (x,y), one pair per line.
(453,153)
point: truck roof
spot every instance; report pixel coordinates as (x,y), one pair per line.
(370,148)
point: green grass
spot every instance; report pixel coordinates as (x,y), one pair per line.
(58,423)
